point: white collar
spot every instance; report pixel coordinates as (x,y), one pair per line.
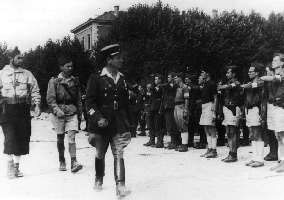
(107,73)
(60,75)
(11,69)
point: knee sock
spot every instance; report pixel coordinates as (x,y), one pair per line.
(9,157)
(281,149)
(72,150)
(213,142)
(254,150)
(209,141)
(184,138)
(61,147)
(17,159)
(259,151)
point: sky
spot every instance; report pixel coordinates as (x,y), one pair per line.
(28,23)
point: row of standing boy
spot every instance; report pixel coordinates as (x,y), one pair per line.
(179,108)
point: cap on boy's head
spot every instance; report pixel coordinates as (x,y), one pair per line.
(63,59)
(179,75)
(190,76)
(233,68)
(158,75)
(110,50)
(258,67)
(13,54)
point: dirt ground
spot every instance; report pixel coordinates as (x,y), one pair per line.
(150,173)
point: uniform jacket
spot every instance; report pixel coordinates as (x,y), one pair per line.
(156,99)
(278,92)
(254,95)
(232,94)
(108,99)
(58,98)
(169,93)
(18,87)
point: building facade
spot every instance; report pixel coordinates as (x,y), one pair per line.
(93,29)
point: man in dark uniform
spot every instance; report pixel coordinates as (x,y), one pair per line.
(134,109)
(155,117)
(107,104)
(168,106)
(194,114)
(141,98)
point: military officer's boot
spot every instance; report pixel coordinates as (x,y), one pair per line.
(100,172)
(160,140)
(119,175)
(151,142)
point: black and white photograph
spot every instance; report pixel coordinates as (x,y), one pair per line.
(141,99)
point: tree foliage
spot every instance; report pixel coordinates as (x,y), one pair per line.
(159,39)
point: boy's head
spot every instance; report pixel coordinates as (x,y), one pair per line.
(66,65)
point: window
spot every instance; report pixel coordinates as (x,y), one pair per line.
(89,41)
(83,42)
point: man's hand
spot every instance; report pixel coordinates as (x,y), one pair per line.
(102,123)
(37,110)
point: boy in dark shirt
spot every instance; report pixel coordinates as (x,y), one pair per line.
(207,119)
(253,91)
(231,110)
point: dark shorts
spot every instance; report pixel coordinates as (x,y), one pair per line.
(17,134)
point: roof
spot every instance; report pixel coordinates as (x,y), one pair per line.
(106,18)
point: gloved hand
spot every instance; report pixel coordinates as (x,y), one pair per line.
(102,123)
(59,113)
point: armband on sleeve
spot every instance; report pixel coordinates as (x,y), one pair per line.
(91,111)
(278,77)
(186,95)
(254,85)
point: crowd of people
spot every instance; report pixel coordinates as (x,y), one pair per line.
(184,106)
(218,111)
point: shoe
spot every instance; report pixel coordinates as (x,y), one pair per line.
(171,146)
(270,157)
(279,164)
(62,166)
(177,147)
(159,145)
(121,190)
(206,153)
(190,145)
(249,163)
(75,166)
(212,154)
(150,143)
(98,184)
(183,148)
(11,169)
(257,164)
(200,146)
(280,168)
(18,173)
(143,133)
(232,157)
